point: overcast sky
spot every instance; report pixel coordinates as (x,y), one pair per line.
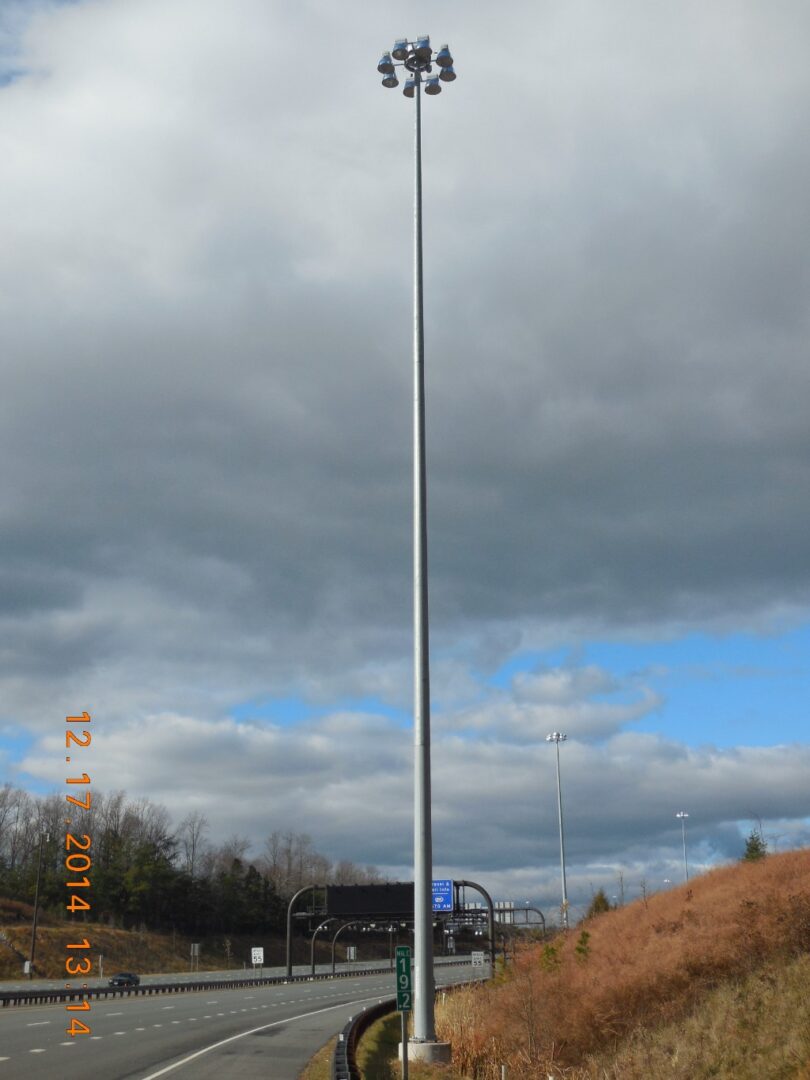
(205,290)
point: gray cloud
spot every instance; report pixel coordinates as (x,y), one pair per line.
(347,780)
(204,295)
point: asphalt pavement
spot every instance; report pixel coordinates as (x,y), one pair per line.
(241,1033)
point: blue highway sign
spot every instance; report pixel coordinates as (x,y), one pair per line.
(443,895)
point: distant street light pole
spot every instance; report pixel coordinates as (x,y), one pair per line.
(418,58)
(557,738)
(42,838)
(318,929)
(682,814)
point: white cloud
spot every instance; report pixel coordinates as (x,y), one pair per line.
(204,294)
(346,779)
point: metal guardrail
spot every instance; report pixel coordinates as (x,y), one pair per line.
(53,996)
(344,1066)
(45,997)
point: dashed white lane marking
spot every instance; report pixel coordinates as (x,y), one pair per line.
(96,1038)
(119,1033)
(241,1035)
(140,1029)
(67,1044)
(114,1014)
(169,1007)
(38,1023)
(37,1051)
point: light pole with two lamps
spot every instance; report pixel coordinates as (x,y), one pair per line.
(418,60)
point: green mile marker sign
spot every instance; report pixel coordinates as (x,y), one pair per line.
(404,988)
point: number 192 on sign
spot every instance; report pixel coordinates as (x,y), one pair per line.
(404,988)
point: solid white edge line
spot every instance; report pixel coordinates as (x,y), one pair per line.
(243,1034)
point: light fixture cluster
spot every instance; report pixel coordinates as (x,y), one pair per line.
(418,58)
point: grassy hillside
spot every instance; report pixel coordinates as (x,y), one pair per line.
(709,979)
(129,950)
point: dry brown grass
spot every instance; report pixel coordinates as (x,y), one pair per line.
(744,1030)
(125,950)
(644,966)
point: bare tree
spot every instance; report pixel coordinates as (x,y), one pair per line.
(191,835)
(234,849)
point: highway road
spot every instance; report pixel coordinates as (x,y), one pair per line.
(242,1034)
(23,984)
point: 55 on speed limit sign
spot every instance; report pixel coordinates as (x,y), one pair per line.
(404,989)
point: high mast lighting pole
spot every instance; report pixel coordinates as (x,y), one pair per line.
(682,814)
(421,65)
(557,738)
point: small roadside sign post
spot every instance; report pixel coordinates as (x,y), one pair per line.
(404,999)
(257,956)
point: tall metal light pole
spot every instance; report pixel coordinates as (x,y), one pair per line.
(557,738)
(418,59)
(682,814)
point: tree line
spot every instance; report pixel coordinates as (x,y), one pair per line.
(147,873)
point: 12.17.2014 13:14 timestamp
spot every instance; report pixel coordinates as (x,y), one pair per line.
(78,864)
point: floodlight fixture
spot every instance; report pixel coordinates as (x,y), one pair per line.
(386,64)
(443,57)
(423,49)
(418,58)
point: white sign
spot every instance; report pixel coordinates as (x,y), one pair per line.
(257,955)
(477,959)
(351,952)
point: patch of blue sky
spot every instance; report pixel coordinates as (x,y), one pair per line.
(9,75)
(15,745)
(523,662)
(15,15)
(291,711)
(739,689)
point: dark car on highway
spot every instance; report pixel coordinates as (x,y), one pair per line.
(124,978)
